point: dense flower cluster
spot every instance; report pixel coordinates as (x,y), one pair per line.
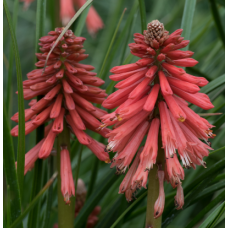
(68,88)
(151,100)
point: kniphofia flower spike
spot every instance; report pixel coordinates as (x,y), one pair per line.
(151,100)
(68,88)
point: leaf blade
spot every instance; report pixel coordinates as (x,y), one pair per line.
(10,170)
(187,18)
(21,122)
(217,20)
(143,15)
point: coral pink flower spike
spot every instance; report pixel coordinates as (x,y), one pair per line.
(68,88)
(151,103)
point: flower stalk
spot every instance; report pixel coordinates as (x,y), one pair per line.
(65,211)
(153,189)
(152,195)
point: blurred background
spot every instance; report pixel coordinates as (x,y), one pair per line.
(209,50)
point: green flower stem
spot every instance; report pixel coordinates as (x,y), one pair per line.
(153,190)
(65,212)
(152,195)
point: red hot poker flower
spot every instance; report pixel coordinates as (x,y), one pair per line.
(68,88)
(152,94)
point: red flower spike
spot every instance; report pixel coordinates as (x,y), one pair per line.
(140,102)
(68,88)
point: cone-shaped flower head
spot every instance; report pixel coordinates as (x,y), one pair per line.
(68,88)
(151,104)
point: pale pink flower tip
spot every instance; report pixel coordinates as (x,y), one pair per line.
(179,198)
(151,102)
(160,202)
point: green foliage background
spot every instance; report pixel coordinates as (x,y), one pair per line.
(204,188)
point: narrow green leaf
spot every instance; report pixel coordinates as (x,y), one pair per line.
(129,208)
(114,10)
(143,15)
(187,18)
(40,21)
(110,87)
(213,217)
(201,194)
(93,177)
(110,216)
(128,59)
(49,194)
(136,213)
(33,220)
(93,200)
(9,169)
(215,151)
(110,46)
(81,22)
(213,84)
(210,57)
(120,39)
(8,207)
(78,167)
(36,186)
(211,205)
(209,171)
(218,178)
(34,201)
(21,130)
(219,122)
(129,34)
(11,58)
(217,20)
